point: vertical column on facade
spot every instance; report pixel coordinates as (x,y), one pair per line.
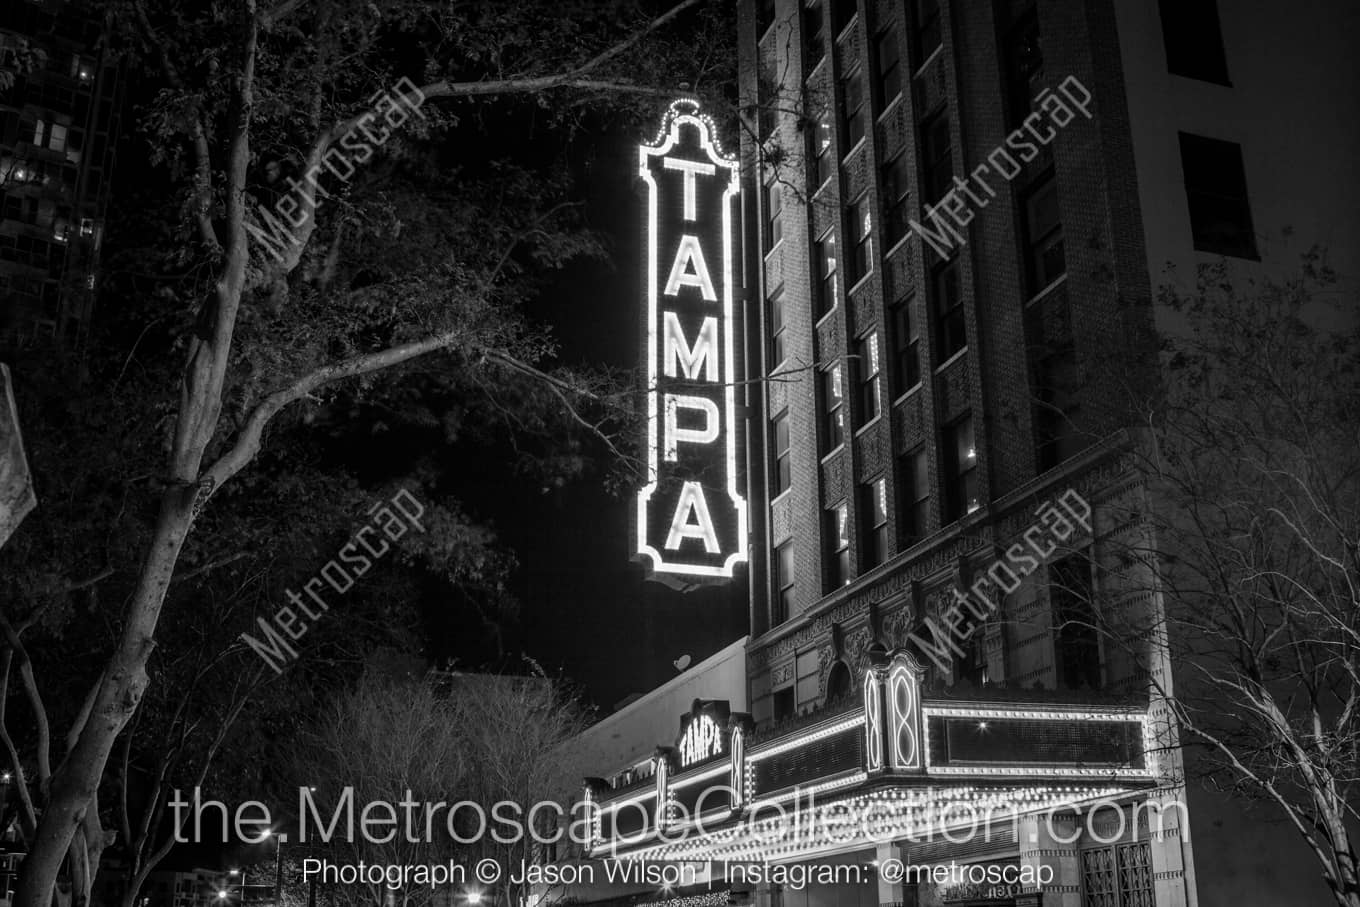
(890,894)
(1167,825)
(1050,841)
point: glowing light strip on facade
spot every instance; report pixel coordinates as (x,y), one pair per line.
(721,768)
(847,780)
(803,740)
(683,112)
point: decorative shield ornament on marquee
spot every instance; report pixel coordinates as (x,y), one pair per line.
(691,516)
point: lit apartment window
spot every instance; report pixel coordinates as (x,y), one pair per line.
(1076,642)
(951,332)
(778,352)
(838,545)
(774,210)
(914,489)
(925,29)
(896,193)
(824,255)
(1216,190)
(833,408)
(842,11)
(862,234)
(888,54)
(782,606)
(57,139)
(40,134)
(824,162)
(814,31)
(960,468)
(1044,258)
(854,108)
(873,509)
(783,476)
(906,340)
(937,157)
(868,374)
(1194,40)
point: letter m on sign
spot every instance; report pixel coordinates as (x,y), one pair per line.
(691,521)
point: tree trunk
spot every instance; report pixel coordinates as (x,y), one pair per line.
(76,780)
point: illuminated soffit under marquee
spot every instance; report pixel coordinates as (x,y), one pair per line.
(691,517)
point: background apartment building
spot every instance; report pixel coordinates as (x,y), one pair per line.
(58,123)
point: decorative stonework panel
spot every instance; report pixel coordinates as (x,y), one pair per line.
(1050,320)
(781,518)
(909,426)
(899,278)
(897,624)
(774,268)
(855,174)
(952,387)
(779,395)
(829,338)
(863,307)
(833,479)
(930,86)
(871,450)
(782,675)
(894,131)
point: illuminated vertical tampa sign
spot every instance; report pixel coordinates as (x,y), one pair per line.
(691,518)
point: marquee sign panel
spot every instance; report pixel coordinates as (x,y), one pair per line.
(691,517)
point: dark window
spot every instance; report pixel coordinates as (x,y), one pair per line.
(842,11)
(782,606)
(914,488)
(1118,876)
(888,54)
(1045,261)
(906,340)
(973,664)
(767,93)
(782,475)
(1194,40)
(784,706)
(1056,386)
(824,162)
(838,545)
(838,682)
(833,403)
(867,372)
(873,509)
(960,468)
(1216,189)
(1024,67)
(764,15)
(777,349)
(854,110)
(896,193)
(925,29)
(814,32)
(937,159)
(825,253)
(949,324)
(1076,643)
(774,210)
(862,232)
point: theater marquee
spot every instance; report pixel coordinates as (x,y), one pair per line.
(691,518)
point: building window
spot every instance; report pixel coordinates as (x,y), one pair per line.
(896,192)
(854,110)
(973,663)
(1044,258)
(951,331)
(937,157)
(862,233)
(838,545)
(867,371)
(824,251)
(814,32)
(1216,189)
(1194,40)
(888,55)
(1076,643)
(784,705)
(839,683)
(1024,67)
(833,406)
(1056,386)
(764,16)
(1119,876)
(767,91)
(824,162)
(906,341)
(842,11)
(57,139)
(783,475)
(914,490)
(782,606)
(772,194)
(960,468)
(925,29)
(778,352)
(807,670)
(873,509)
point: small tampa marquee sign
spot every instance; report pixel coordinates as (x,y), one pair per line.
(691,518)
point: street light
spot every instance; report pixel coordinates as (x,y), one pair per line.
(474,897)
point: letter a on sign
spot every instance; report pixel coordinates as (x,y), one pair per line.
(691,515)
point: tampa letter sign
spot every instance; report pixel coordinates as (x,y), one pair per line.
(691,518)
